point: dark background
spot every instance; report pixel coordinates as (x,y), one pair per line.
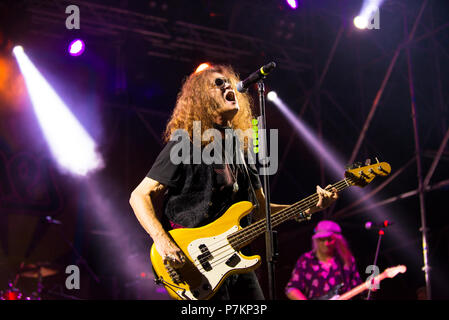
(123,89)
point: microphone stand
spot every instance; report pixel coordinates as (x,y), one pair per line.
(270,235)
(381,233)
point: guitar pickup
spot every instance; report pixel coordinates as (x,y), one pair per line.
(233,260)
(206,265)
(204,257)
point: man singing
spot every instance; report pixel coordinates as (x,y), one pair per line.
(191,194)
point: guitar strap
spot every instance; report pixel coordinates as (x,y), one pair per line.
(243,162)
(239,154)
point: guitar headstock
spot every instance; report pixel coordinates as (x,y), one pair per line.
(393,271)
(361,176)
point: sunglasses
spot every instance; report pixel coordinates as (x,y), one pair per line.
(329,239)
(221,82)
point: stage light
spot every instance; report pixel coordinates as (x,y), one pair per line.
(369,12)
(76,47)
(202,67)
(17,50)
(292,3)
(320,149)
(70,144)
(360,22)
(272,95)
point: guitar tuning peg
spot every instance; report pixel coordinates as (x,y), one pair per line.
(377,159)
(367,162)
(358,164)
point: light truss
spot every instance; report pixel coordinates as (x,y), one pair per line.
(177,40)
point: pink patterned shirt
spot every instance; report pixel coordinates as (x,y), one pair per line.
(315,278)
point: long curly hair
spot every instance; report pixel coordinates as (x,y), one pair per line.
(195,103)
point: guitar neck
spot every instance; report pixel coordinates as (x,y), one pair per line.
(359,289)
(248,234)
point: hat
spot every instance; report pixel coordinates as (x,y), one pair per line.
(326,228)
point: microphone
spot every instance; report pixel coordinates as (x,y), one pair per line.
(254,77)
(51,220)
(373,225)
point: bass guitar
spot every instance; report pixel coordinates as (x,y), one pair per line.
(212,251)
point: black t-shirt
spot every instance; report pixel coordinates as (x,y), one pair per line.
(200,193)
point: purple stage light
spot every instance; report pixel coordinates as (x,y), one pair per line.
(76,47)
(292,3)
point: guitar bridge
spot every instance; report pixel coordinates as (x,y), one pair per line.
(174,275)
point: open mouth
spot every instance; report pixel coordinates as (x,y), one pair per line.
(230,96)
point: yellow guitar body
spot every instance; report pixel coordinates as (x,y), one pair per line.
(210,257)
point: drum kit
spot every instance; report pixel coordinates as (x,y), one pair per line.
(37,271)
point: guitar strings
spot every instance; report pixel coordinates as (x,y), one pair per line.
(219,257)
(293,208)
(255,229)
(249,231)
(284,214)
(229,251)
(276,219)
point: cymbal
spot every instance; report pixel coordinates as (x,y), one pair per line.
(34,265)
(34,270)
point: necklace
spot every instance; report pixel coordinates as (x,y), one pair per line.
(235,186)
